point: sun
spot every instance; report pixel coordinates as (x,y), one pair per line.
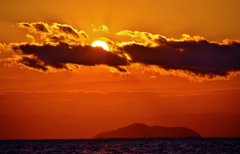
(100,44)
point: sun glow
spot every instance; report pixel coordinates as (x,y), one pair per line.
(100,44)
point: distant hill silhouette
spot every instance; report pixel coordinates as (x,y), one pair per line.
(139,130)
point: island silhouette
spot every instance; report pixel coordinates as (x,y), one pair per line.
(139,130)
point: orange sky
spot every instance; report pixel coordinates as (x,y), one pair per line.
(165,57)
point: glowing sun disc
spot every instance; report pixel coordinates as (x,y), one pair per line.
(100,44)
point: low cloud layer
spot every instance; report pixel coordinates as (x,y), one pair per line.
(57,56)
(62,45)
(200,57)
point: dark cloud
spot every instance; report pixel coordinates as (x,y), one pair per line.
(120,69)
(59,55)
(26,25)
(68,29)
(55,32)
(40,27)
(57,38)
(200,57)
(34,63)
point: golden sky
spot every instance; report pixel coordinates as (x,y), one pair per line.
(165,57)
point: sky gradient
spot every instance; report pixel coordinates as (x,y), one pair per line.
(171,59)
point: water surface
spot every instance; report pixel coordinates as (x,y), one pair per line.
(187,145)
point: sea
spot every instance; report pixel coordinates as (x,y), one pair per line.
(154,145)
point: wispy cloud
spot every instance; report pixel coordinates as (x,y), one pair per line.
(102,28)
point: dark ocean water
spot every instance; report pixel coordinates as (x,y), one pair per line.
(188,145)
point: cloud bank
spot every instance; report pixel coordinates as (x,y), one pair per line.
(200,57)
(57,56)
(62,45)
